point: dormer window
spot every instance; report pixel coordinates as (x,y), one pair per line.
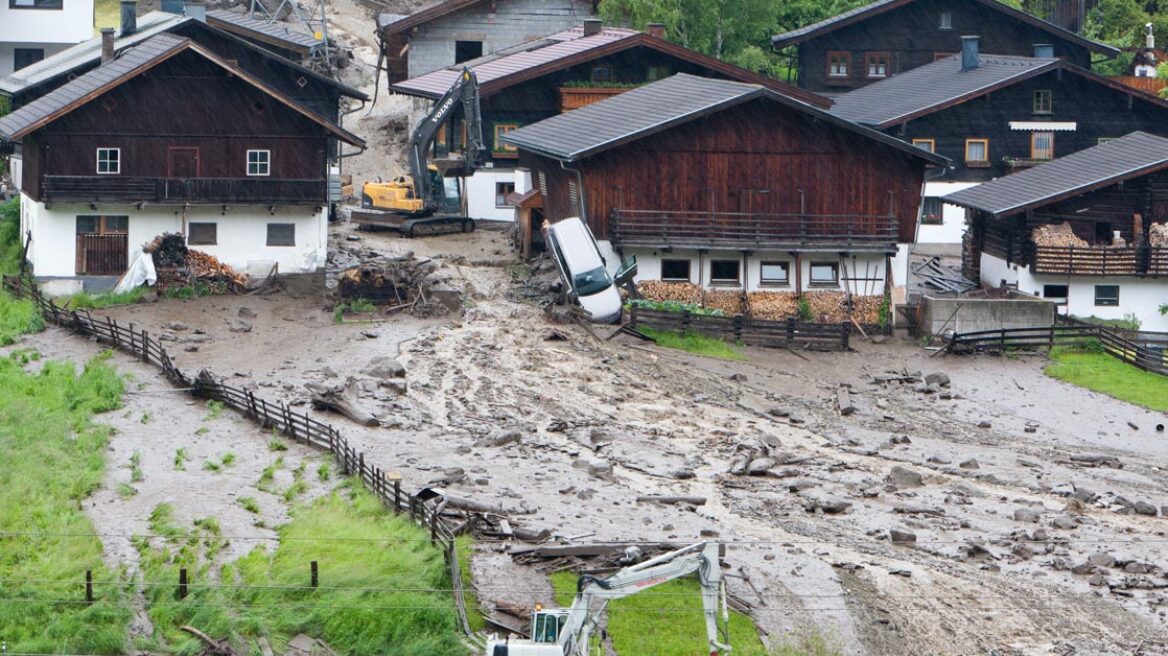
(839,63)
(877,64)
(946,20)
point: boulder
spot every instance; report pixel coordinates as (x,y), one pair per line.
(828,505)
(1101,559)
(384,366)
(1064,522)
(505,438)
(969,464)
(939,460)
(903,477)
(899,536)
(1144,508)
(595,467)
(239,326)
(938,378)
(760,466)
(1026,515)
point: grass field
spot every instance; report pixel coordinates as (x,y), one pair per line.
(1102,373)
(664,621)
(106,13)
(54,457)
(389,594)
(695,343)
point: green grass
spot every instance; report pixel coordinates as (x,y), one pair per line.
(180,459)
(695,343)
(639,627)
(396,611)
(84,301)
(1102,373)
(17,317)
(249,504)
(53,459)
(464,544)
(106,13)
(355,306)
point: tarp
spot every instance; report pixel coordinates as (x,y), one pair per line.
(141,271)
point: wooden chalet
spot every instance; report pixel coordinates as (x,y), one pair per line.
(1089,230)
(727,184)
(888,37)
(172,137)
(558,73)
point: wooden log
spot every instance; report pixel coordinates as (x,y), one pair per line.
(652,498)
(844,399)
(342,399)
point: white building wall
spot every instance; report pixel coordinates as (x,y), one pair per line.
(1141,297)
(480,194)
(52,30)
(241,235)
(953,218)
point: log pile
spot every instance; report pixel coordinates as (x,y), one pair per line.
(681,292)
(729,302)
(773,306)
(396,284)
(827,306)
(866,309)
(1057,234)
(1158,235)
(179,266)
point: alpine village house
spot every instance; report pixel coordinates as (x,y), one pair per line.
(553,74)
(172,137)
(731,185)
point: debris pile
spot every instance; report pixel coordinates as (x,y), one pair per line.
(1158,235)
(179,266)
(937,276)
(825,306)
(400,283)
(1057,234)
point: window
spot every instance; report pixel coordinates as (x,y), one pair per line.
(602,74)
(877,64)
(1043,102)
(977,152)
(675,270)
(34,4)
(946,22)
(467,50)
(202,234)
(774,273)
(656,73)
(1107,295)
(281,234)
(928,145)
(1055,291)
(1042,145)
(500,130)
(102,225)
(502,190)
(932,211)
(824,274)
(259,162)
(22,57)
(838,64)
(109,161)
(724,272)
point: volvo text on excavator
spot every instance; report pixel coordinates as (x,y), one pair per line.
(566,632)
(423,198)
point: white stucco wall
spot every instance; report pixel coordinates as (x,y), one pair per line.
(52,30)
(241,238)
(953,217)
(480,194)
(1141,297)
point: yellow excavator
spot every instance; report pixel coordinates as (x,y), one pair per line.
(430,196)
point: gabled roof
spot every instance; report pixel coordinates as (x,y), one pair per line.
(149,25)
(426,15)
(1137,154)
(568,48)
(942,84)
(659,106)
(130,64)
(277,34)
(880,6)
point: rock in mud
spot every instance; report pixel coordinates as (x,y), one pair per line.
(939,460)
(1083,568)
(969,464)
(900,536)
(1022,551)
(903,477)
(1097,460)
(1101,559)
(595,467)
(1144,508)
(1026,515)
(247,313)
(508,437)
(984,424)
(760,466)
(683,474)
(940,379)
(175,325)
(829,505)
(1085,495)
(1064,522)
(396,386)
(384,366)
(779,412)
(239,326)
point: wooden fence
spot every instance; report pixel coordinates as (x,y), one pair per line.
(298,426)
(1144,350)
(755,332)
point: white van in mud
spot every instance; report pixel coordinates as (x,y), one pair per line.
(582,268)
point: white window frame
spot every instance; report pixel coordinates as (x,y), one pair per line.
(774,282)
(266,163)
(945,22)
(117,161)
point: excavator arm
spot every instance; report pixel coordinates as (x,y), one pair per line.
(464,92)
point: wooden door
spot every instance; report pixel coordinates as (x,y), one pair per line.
(102,245)
(183,163)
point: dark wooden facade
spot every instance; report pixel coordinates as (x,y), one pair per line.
(1130,209)
(912,35)
(1098,109)
(183,130)
(758,162)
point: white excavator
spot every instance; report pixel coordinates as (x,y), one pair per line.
(566,631)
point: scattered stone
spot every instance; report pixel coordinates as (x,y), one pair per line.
(1083,569)
(828,505)
(903,477)
(760,466)
(708,533)
(1096,580)
(939,379)
(1084,495)
(1022,551)
(899,439)
(1064,522)
(683,474)
(238,326)
(191,348)
(901,572)
(595,467)
(370,334)
(175,325)
(969,464)
(984,424)
(1101,559)
(1144,508)
(1026,515)
(247,313)
(384,366)
(329,372)
(738,378)
(779,412)
(352,237)
(397,386)
(509,437)
(1097,460)
(938,460)
(1136,568)
(899,536)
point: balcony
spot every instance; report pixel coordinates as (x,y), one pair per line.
(1143,260)
(577,97)
(734,230)
(195,191)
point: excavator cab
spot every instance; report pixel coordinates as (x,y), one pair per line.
(400,195)
(546,625)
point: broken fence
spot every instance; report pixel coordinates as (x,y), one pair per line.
(754,332)
(1150,353)
(297,426)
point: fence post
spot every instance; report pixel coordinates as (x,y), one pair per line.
(790,332)
(145,346)
(315,574)
(361,465)
(396,492)
(433,527)
(685,322)
(1050,342)
(633,315)
(89,586)
(182,583)
(845,337)
(739,320)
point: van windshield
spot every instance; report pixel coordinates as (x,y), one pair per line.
(590,282)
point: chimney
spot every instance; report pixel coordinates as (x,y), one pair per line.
(592,26)
(107,44)
(969,58)
(195,10)
(1150,39)
(129,17)
(655,29)
(1043,50)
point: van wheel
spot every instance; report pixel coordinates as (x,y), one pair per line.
(468,226)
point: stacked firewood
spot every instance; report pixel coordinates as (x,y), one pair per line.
(866,309)
(773,306)
(729,302)
(827,307)
(179,266)
(1158,235)
(681,292)
(1057,234)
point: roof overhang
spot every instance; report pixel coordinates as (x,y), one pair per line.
(1045,126)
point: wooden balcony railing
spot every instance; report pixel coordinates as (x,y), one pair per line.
(1142,260)
(742,230)
(577,97)
(109,188)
